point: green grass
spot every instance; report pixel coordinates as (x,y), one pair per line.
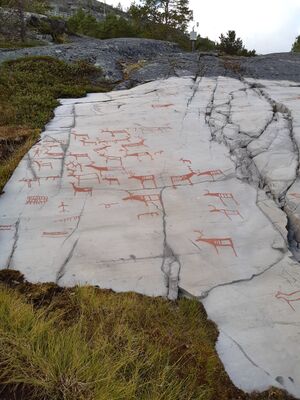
(91,344)
(29,89)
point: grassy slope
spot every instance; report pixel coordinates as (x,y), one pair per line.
(85,343)
(91,344)
(29,89)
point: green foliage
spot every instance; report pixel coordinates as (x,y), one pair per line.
(232,45)
(296,45)
(29,89)
(205,44)
(172,13)
(112,27)
(38,6)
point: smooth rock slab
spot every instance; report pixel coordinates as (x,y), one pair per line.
(136,190)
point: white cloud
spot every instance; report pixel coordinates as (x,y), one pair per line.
(266,25)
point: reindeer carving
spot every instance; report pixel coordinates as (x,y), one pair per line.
(97,168)
(146,199)
(144,178)
(111,159)
(111,180)
(102,148)
(139,155)
(212,173)
(182,178)
(78,189)
(216,242)
(85,177)
(221,196)
(136,144)
(227,213)
(79,155)
(41,164)
(80,136)
(54,155)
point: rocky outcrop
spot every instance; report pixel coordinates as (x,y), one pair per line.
(160,59)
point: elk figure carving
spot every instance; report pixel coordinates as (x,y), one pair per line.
(78,189)
(144,178)
(146,199)
(216,242)
(221,196)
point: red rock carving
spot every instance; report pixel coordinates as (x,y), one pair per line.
(78,189)
(182,178)
(226,212)
(146,199)
(80,136)
(72,165)
(63,207)
(289,297)
(102,148)
(52,177)
(41,164)
(84,177)
(68,219)
(98,168)
(151,214)
(221,196)
(139,155)
(136,144)
(36,200)
(212,173)
(79,155)
(144,178)
(111,158)
(55,234)
(111,180)
(30,181)
(54,155)
(216,242)
(6,227)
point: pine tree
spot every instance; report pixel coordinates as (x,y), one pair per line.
(172,13)
(296,45)
(183,14)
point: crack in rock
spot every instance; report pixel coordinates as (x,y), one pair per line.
(171,265)
(62,269)
(15,244)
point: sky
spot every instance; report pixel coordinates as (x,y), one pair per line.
(268,26)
